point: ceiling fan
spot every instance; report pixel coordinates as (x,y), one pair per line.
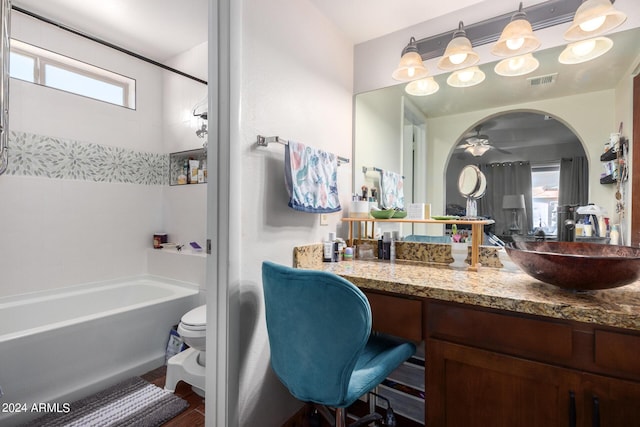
(478,144)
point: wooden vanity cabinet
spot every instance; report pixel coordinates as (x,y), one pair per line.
(478,375)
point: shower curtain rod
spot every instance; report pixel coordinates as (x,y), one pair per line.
(106,43)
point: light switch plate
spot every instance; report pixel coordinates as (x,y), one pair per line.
(324,219)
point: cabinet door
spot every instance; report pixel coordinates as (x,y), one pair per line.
(610,401)
(471,387)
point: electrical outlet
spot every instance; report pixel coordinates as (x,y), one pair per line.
(324,219)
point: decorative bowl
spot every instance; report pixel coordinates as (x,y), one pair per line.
(577,266)
(399,214)
(382,214)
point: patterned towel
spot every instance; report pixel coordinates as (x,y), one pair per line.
(311,179)
(391,188)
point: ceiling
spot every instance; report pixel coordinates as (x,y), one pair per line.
(157,29)
(160,29)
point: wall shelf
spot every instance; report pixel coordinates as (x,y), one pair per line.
(477,230)
(176,162)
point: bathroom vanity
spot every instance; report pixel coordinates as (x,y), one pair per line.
(504,349)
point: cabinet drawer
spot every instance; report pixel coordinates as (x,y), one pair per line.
(522,336)
(401,317)
(617,351)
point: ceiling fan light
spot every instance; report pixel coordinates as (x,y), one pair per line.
(411,66)
(585,50)
(466,78)
(477,150)
(422,87)
(459,52)
(593,18)
(517,38)
(517,66)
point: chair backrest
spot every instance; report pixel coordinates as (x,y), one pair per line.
(318,324)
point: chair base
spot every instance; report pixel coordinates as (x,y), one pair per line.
(340,418)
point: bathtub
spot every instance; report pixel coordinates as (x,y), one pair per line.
(59,346)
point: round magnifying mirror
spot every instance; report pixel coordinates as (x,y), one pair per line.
(469,180)
(482,186)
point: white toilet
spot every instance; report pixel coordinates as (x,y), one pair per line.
(189,365)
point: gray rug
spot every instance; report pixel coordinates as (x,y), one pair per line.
(133,402)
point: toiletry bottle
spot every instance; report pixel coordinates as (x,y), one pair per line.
(614,235)
(204,169)
(185,170)
(327,249)
(602,227)
(386,245)
(392,250)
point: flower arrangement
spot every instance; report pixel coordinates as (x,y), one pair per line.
(458,237)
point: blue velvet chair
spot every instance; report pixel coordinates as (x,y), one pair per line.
(322,349)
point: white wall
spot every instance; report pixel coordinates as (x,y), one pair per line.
(294,74)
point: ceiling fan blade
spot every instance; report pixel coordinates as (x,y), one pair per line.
(502,150)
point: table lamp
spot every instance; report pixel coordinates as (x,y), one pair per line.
(513,202)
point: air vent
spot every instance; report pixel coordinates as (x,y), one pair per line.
(542,80)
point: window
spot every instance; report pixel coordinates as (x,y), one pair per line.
(46,68)
(545,181)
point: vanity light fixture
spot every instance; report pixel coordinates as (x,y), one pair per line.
(593,18)
(466,78)
(459,53)
(585,50)
(517,65)
(411,66)
(517,38)
(422,87)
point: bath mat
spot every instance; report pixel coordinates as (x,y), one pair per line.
(133,402)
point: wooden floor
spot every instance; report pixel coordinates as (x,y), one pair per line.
(193,416)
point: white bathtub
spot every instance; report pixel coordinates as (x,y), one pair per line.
(59,346)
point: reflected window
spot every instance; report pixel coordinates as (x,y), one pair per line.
(46,68)
(545,182)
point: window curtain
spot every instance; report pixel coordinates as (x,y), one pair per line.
(574,181)
(503,179)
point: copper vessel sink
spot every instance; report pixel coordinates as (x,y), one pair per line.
(577,266)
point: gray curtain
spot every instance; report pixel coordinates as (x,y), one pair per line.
(574,182)
(502,179)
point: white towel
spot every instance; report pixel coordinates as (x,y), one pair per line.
(311,179)
(392,195)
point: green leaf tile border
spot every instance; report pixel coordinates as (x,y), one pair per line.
(44,156)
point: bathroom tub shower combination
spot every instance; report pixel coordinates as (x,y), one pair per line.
(59,346)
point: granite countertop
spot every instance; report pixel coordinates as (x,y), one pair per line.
(494,288)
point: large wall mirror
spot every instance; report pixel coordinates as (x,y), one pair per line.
(558,112)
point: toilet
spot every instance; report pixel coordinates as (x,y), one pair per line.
(189,365)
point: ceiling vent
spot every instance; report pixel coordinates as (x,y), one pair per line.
(542,80)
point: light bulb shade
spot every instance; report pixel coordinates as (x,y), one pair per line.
(517,66)
(513,201)
(459,52)
(517,38)
(411,66)
(589,15)
(585,50)
(466,78)
(422,87)
(477,150)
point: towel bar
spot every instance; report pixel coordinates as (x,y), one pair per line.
(365,169)
(263,141)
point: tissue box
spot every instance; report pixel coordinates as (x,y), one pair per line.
(419,211)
